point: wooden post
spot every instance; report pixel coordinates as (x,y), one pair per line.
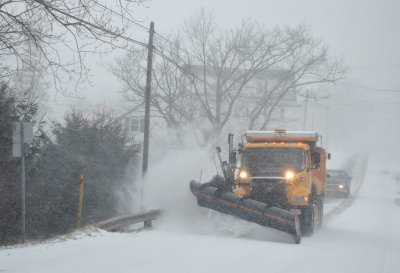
(80,202)
(23,182)
(147,109)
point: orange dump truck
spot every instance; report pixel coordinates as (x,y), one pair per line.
(276,179)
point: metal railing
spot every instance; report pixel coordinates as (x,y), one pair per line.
(120,222)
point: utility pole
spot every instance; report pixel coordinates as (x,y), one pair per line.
(305,112)
(147,108)
(307,97)
(23,181)
(327,126)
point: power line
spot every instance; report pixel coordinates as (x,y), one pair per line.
(147,29)
(172,43)
(158,52)
(105,30)
(374,66)
(123,17)
(157,34)
(370,88)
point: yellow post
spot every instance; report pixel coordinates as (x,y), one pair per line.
(80,201)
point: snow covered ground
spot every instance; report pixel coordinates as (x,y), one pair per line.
(361,234)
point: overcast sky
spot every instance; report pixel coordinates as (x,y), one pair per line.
(365,32)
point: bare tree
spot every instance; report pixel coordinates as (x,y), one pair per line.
(61,33)
(307,67)
(213,78)
(171,99)
(227,61)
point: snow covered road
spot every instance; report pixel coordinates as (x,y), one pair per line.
(361,235)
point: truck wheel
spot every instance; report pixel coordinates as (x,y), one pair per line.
(307,221)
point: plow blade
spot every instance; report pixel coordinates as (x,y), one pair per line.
(247,209)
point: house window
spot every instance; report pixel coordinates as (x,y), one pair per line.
(137,125)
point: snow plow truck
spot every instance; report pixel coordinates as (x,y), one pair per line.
(274,178)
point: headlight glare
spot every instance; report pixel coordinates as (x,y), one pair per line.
(243,174)
(289,174)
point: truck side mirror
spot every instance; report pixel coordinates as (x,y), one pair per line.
(218,149)
(316,160)
(329,156)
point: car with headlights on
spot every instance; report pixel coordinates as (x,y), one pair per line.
(338,183)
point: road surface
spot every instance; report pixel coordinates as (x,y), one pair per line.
(361,234)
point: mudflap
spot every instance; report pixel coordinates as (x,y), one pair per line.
(223,201)
(320,212)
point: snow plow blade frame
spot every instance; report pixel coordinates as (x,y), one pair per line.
(247,209)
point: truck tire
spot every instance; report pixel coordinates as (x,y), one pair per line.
(307,219)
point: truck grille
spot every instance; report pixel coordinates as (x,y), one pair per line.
(267,184)
(271,190)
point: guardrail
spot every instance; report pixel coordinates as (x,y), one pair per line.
(117,223)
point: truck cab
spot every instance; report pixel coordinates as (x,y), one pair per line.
(284,169)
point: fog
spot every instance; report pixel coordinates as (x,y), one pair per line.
(362,110)
(358,115)
(358,118)
(362,237)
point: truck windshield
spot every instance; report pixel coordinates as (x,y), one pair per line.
(273,161)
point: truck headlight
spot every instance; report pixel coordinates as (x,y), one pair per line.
(243,177)
(289,174)
(243,174)
(341,186)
